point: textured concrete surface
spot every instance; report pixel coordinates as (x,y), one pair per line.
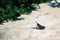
(25,29)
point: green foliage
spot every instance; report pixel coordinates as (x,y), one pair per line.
(11,9)
(26,6)
(8,10)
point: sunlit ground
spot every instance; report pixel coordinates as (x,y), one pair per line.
(25,29)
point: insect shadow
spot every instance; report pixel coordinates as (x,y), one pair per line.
(39,27)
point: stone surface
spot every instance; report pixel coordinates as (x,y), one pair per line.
(26,29)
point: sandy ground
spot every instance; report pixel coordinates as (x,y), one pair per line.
(24,29)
